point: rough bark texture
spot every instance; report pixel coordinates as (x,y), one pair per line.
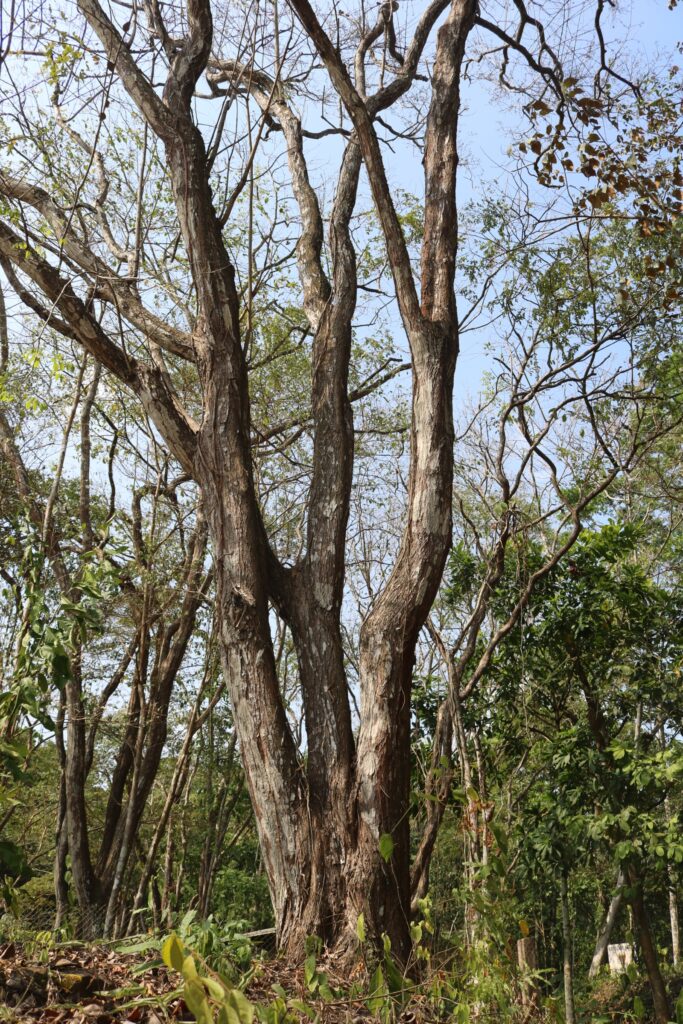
(319,824)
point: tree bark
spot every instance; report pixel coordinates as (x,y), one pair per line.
(647,946)
(673,918)
(673,896)
(86,883)
(319,824)
(605,934)
(567,951)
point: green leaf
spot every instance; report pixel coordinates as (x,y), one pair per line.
(386,847)
(310,972)
(141,946)
(360,928)
(187,920)
(243,1008)
(189,969)
(301,1007)
(378,991)
(172,953)
(324,989)
(197,1003)
(395,978)
(500,836)
(678,1009)
(215,989)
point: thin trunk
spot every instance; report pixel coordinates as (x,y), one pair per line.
(673,895)
(213,845)
(485,807)
(605,934)
(470,822)
(527,961)
(61,836)
(224,848)
(129,829)
(151,723)
(166,893)
(567,952)
(86,883)
(60,865)
(437,789)
(177,785)
(174,867)
(441,772)
(84,498)
(673,918)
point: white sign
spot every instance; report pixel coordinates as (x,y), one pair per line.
(620,956)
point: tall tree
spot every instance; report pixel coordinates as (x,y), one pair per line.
(334,828)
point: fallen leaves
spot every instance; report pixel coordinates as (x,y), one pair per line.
(86,985)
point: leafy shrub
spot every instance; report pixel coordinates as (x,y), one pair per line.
(241,895)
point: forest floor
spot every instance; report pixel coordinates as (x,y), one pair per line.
(83,984)
(97,984)
(76,983)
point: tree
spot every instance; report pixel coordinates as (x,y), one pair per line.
(596,647)
(334,826)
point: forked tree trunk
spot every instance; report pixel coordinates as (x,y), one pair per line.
(320,825)
(320,829)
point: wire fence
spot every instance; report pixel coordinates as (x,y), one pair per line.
(34,916)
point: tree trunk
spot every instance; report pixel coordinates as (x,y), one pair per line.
(673,897)
(86,884)
(567,952)
(605,934)
(167,891)
(320,824)
(673,918)
(647,946)
(60,865)
(437,790)
(527,961)
(61,837)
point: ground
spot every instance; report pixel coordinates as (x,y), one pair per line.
(99,984)
(74,983)
(85,985)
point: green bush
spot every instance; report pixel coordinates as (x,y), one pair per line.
(240,895)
